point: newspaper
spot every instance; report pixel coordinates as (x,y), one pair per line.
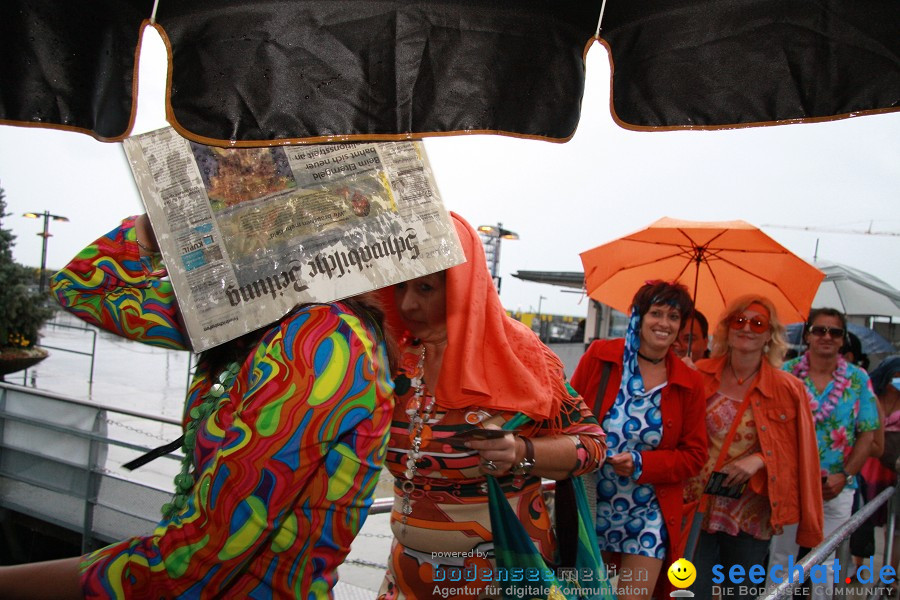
(249,233)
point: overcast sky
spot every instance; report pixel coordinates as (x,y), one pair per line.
(561,199)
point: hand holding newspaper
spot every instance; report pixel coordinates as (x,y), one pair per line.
(249,233)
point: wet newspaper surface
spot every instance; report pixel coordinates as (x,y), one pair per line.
(249,233)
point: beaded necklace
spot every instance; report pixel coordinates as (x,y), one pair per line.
(184,481)
(840,383)
(419,413)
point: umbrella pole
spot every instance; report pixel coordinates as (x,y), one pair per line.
(690,343)
(698,258)
(697,521)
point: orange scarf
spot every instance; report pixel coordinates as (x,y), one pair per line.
(491,361)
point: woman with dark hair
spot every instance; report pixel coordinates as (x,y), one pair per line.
(651,406)
(762,447)
(284,441)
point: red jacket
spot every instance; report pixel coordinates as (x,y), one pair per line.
(784,424)
(684,446)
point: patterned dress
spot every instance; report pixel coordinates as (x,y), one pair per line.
(286,464)
(449,527)
(628,516)
(751,513)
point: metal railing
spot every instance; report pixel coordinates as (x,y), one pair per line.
(819,554)
(93,351)
(58,460)
(59,463)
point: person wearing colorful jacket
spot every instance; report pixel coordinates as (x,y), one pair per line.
(285,436)
(772,453)
(652,412)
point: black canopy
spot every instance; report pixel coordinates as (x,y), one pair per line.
(280,71)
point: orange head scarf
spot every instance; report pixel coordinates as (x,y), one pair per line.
(491,361)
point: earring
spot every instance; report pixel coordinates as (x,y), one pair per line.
(766,348)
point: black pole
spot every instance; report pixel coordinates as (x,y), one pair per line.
(698,259)
(45,235)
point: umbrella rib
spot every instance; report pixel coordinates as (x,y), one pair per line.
(715,279)
(697,257)
(715,237)
(765,279)
(837,290)
(683,269)
(683,250)
(702,249)
(699,246)
(650,262)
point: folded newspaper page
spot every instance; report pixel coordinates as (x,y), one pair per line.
(249,233)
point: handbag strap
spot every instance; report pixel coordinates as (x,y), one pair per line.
(601,389)
(566,515)
(565,511)
(723,452)
(692,533)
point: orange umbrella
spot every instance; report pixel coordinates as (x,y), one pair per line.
(716,261)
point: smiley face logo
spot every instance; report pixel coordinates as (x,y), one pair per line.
(682,573)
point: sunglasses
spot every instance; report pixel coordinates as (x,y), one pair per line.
(757,324)
(821,330)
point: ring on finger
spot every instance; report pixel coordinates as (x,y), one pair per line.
(489,465)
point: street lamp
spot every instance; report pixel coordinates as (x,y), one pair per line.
(491,236)
(540,321)
(44,234)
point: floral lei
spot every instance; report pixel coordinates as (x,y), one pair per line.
(841,383)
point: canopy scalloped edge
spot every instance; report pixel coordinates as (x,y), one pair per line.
(484,87)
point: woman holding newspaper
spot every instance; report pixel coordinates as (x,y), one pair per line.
(284,440)
(763,467)
(467,369)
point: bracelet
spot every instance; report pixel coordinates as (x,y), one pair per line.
(145,248)
(527,463)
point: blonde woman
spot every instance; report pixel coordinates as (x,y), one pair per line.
(762,441)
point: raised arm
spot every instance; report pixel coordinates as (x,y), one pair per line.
(120,287)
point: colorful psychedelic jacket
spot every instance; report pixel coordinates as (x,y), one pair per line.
(286,464)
